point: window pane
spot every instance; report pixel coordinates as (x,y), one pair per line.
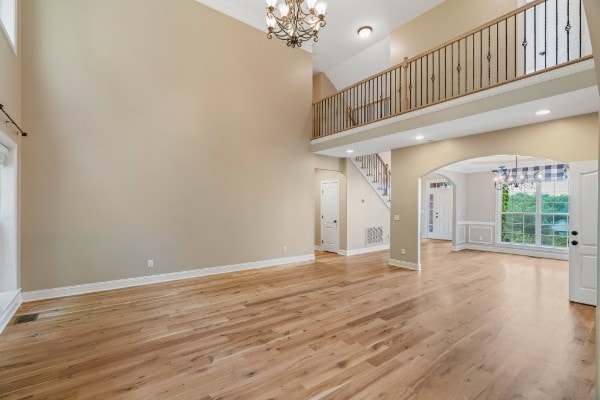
(560,241)
(562,207)
(518,219)
(529,238)
(547,230)
(530,229)
(547,240)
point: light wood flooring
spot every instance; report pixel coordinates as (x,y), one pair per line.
(471,325)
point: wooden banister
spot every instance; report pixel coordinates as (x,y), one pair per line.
(501,51)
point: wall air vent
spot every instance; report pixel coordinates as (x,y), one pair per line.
(21,319)
(374,235)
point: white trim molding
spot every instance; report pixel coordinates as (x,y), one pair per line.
(491,236)
(404,264)
(151,279)
(461,235)
(11,308)
(364,250)
(518,250)
(476,223)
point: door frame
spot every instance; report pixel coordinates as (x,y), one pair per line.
(427,193)
(337,250)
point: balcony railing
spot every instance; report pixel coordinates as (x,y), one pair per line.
(542,35)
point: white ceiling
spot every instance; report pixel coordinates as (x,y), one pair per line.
(579,102)
(339,40)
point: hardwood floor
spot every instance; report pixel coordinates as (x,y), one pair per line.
(471,325)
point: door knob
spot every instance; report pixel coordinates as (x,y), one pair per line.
(574,233)
(574,242)
(335,221)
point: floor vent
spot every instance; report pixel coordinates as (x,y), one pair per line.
(21,319)
(374,235)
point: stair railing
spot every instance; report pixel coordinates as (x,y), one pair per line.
(538,37)
(378,170)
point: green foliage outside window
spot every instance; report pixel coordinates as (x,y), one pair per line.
(519,210)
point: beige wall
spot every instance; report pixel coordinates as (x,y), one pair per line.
(326,175)
(158,133)
(480,197)
(365,209)
(450,19)
(569,139)
(322,87)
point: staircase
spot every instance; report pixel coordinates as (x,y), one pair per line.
(378,174)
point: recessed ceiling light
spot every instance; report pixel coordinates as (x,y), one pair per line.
(365,31)
(419,137)
(350,151)
(543,112)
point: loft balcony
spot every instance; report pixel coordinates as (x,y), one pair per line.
(539,51)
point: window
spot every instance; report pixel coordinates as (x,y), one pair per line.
(555,213)
(535,216)
(8,21)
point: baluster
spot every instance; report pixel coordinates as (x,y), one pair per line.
(568,29)
(489,57)
(497,53)
(556,31)
(580,33)
(535,51)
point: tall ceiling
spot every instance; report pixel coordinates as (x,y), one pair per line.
(339,40)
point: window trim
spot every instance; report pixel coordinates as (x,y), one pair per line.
(538,227)
(12,44)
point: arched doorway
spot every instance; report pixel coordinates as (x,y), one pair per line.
(526,208)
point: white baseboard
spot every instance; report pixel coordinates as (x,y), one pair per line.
(404,264)
(519,252)
(147,280)
(318,248)
(459,247)
(9,311)
(366,250)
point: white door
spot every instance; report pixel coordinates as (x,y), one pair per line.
(583,238)
(330,216)
(439,209)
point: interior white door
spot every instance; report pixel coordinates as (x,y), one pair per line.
(330,216)
(583,238)
(440,199)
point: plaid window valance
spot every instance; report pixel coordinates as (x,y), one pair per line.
(545,173)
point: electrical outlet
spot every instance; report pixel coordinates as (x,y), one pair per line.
(481,238)
(150,263)
(403,252)
(284,249)
(396,218)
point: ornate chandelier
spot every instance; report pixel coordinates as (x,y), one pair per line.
(528,177)
(514,178)
(292,22)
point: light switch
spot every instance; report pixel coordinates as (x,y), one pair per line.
(396,218)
